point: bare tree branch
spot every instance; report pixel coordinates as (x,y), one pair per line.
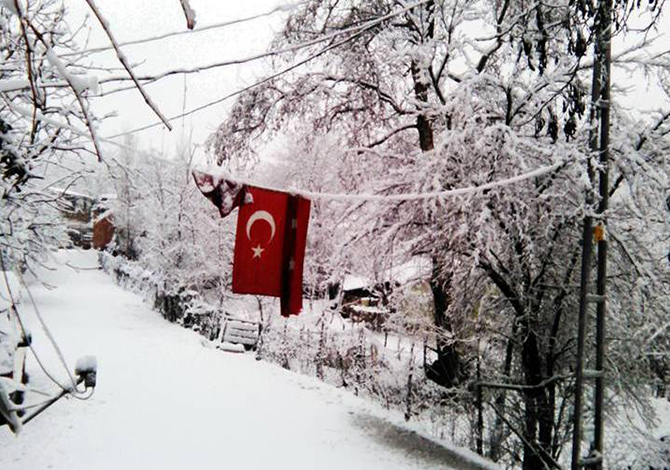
(189,13)
(384,138)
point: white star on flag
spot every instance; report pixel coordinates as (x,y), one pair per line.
(257,251)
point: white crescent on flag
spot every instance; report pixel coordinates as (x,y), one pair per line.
(261,215)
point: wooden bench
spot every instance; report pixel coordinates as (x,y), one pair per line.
(239,331)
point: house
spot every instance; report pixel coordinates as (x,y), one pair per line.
(76,209)
(82,213)
(368,301)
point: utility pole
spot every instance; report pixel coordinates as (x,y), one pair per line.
(599,144)
(601,234)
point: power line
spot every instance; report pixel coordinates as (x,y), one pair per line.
(410,196)
(17,85)
(356,30)
(51,338)
(240,91)
(21,324)
(280,8)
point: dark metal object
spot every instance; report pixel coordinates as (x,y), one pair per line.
(601,282)
(600,144)
(86,371)
(48,403)
(587,236)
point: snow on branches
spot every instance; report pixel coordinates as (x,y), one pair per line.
(445,95)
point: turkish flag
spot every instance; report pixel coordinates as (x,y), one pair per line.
(270,246)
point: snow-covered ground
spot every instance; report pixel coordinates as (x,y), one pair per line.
(167,400)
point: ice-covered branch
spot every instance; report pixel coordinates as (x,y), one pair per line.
(353,30)
(75,83)
(28,113)
(521,387)
(643,139)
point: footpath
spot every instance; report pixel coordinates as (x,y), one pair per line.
(166,400)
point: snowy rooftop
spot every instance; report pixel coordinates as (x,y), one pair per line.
(417,268)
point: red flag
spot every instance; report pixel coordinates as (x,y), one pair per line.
(270,240)
(270,246)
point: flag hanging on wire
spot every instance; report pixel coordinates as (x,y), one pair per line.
(270,239)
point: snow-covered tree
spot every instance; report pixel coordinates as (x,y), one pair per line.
(163,222)
(449,94)
(43,117)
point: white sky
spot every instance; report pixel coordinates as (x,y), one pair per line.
(141,19)
(633,88)
(131,20)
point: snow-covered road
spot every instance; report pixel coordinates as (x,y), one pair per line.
(167,401)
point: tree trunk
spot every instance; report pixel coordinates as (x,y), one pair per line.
(423,123)
(539,412)
(446,369)
(497,434)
